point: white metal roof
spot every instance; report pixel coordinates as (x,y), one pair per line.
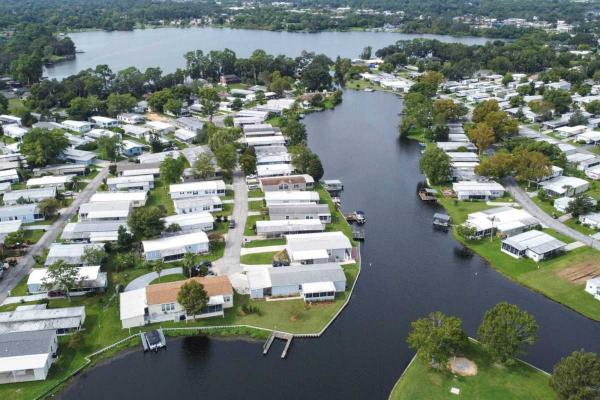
(317,241)
(197,186)
(132,303)
(50,180)
(172,242)
(101,197)
(291,196)
(37,275)
(318,287)
(189,219)
(534,240)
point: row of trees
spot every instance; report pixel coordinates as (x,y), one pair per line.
(504,333)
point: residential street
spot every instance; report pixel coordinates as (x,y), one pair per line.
(14,275)
(528,205)
(230,262)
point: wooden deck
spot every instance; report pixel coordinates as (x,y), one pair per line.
(278,335)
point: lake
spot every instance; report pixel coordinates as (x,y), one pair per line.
(165,47)
(409,270)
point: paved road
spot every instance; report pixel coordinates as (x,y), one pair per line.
(528,205)
(144,280)
(14,275)
(230,262)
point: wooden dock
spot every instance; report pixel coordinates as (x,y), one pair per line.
(278,335)
(358,234)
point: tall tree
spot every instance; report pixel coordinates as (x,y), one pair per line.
(40,146)
(505,330)
(192,297)
(436,338)
(171,169)
(62,277)
(577,377)
(435,163)
(146,222)
(482,136)
(209,102)
(226,157)
(158,266)
(531,166)
(204,166)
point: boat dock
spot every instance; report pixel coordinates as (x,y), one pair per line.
(428,194)
(358,233)
(153,340)
(278,335)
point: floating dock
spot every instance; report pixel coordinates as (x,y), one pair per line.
(428,194)
(278,335)
(153,340)
(358,234)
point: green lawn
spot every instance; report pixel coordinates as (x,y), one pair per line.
(228,195)
(160,196)
(47,221)
(338,221)
(543,277)
(265,242)
(258,258)
(255,193)
(574,224)
(21,288)
(256,205)
(251,222)
(168,278)
(32,237)
(547,206)
(492,382)
(227,210)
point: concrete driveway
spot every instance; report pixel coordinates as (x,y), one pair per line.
(144,280)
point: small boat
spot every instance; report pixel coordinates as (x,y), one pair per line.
(427,194)
(369,90)
(301,116)
(357,216)
(441,220)
(333,185)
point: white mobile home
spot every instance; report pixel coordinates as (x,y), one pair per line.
(152,158)
(105,122)
(507,221)
(282,227)
(198,204)
(129,148)
(38,317)
(105,211)
(291,197)
(92,231)
(57,182)
(533,244)
(14,131)
(131,118)
(474,190)
(193,222)
(296,280)
(285,183)
(591,219)
(28,195)
(175,247)
(314,248)
(9,176)
(27,356)
(131,183)
(160,128)
(77,126)
(137,199)
(69,253)
(140,132)
(282,169)
(197,189)
(78,156)
(22,212)
(306,211)
(89,279)
(592,286)
(565,186)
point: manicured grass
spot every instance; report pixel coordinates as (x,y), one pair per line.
(258,258)
(168,278)
(543,276)
(227,210)
(256,205)
(21,288)
(492,382)
(255,193)
(546,206)
(32,237)
(266,242)
(221,227)
(338,221)
(160,196)
(228,195)
(251,222)
(47,221)
(574,224)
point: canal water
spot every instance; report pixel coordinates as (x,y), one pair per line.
(409,270)
(165,47)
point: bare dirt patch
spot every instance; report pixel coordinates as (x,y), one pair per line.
(581,272)
(462,366)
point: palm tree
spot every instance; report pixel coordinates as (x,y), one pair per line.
(189,261)
(158,267)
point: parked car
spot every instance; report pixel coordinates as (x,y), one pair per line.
(231,223)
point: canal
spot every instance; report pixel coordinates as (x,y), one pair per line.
(409,270)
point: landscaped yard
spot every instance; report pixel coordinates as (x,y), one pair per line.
(251,221)
(265,242)
(258,258)
(338,221)
(32,237)
(255,205)
(549,277)
(255,193)
(160,196)
(168,278)
(492,382)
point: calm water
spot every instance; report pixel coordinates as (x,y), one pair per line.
(165,47)
(408,271)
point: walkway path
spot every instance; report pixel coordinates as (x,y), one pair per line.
(144,280)
(14,275)
(528,205)
(262,249)
(18,299)
(230,262)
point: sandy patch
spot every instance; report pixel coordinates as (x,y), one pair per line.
(580,273)
(462,366)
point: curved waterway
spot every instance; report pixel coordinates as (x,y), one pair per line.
(409,270)
(165,47)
